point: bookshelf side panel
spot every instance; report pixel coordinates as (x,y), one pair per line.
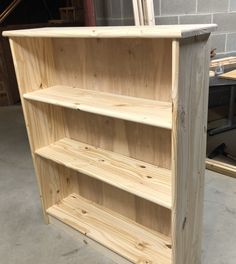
(34,66)
(190,99)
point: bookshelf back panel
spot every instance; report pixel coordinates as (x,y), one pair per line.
(135,67)
(58,182)
(142,142)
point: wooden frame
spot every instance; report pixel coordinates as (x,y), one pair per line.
(106,165)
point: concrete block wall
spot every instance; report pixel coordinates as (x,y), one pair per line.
(114,12)
(221,12)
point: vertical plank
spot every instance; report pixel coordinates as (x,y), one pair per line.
(140,10)
(136,13)
(190,98)
(34,66)
(90,18)
(148,11)
(56,182)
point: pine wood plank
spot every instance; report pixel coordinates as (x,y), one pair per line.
(221,167)
(139,178)
(227,62)
(167,31)
(190,101)
(139,110)
(148,10)
(229,75)
(115,257)
(136,13)
(134,242)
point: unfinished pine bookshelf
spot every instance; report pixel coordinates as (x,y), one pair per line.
(116,119)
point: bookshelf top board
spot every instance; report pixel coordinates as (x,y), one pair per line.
(163,31)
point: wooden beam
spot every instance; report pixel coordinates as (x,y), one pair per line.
(89,13)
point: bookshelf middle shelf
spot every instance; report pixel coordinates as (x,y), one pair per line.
(140,110)
(139,178)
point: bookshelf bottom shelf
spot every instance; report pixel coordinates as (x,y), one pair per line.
(120,234)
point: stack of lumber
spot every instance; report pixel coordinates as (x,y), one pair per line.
(227,62)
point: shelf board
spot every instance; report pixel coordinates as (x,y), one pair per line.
(120,234)
(139,178)
(162,31)
(149,112)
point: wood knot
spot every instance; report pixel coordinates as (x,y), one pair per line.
(182,117)
(144,261)
(141,245)
(84,212)
(184,223)
(120,105)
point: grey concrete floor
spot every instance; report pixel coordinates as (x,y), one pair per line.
(25,239)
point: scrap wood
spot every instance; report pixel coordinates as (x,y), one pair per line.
(226,62)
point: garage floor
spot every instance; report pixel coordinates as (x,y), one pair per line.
(25,239)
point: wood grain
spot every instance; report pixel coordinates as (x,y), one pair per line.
(229,75)
(139,245)
(138,141)
(221,167)
(132,67)
(139,178)
(149,112)
(190,100)
(164,31)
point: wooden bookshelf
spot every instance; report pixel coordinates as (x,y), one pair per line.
(116,118)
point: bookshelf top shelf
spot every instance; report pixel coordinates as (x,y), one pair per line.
(163,31)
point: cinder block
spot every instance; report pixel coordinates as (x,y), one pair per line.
(120,22)
(177,7)
(166,20)
(156,7)
(115,22)
(128,22)
(102,9)
(231,42)
(116,9)
(127,9)
(218,42)
(212,5)
(101,22)
(195,19)
(232,5)
(226,21)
